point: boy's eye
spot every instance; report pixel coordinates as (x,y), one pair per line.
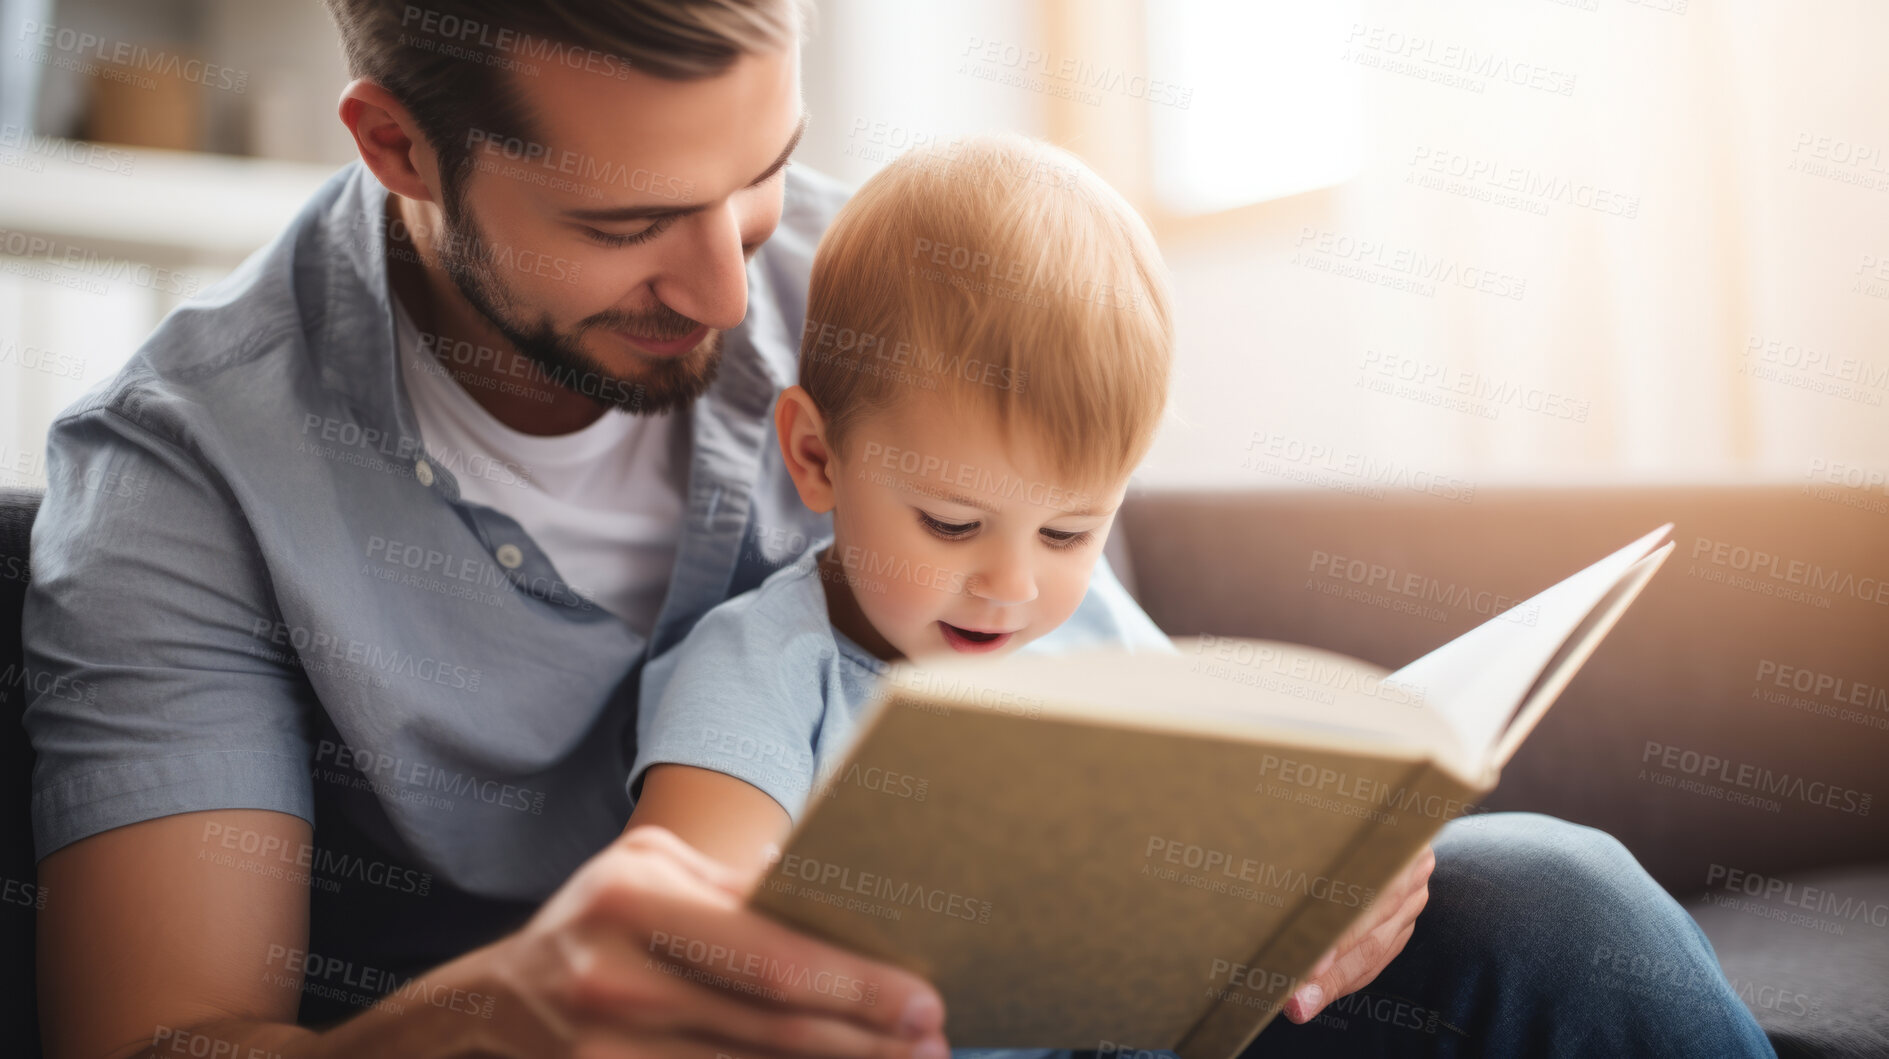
(948,530)
(1065,538)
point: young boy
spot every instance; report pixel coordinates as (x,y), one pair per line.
(984,362)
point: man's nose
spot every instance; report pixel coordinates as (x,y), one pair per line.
(706,278)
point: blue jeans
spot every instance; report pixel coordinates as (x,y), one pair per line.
(1541,939)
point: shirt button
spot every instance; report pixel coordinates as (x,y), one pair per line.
(509,556)
(424,472)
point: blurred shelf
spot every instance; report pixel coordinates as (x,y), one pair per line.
(182,206)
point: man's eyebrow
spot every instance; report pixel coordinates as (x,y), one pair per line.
(959,498)
(786,153)
(642,213)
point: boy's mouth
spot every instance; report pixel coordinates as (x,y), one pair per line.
(971,641)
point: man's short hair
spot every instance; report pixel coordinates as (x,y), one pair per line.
(456,64)
(995,274)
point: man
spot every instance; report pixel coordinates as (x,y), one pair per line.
(421,486)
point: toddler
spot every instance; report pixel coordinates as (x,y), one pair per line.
(984,362)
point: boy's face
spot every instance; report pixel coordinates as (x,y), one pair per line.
(950,542)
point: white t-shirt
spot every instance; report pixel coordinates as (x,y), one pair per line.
(604,502)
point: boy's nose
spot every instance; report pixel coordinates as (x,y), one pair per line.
(1005,579)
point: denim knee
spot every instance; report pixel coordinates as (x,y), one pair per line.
(1561,921)
(1544,889)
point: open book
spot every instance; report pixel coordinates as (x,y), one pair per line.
(1151,851)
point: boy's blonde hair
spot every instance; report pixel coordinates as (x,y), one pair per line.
(994,273)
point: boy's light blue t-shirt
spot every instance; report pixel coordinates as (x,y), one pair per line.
(766,690)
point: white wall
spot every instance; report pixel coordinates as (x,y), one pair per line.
(880,74)
(1631,331)
(1737,128)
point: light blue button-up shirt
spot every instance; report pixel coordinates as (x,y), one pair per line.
(254,589)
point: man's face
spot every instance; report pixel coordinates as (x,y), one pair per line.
(612,247)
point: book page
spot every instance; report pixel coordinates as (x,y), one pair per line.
(1477,680)
(1216,686)
(1574,653)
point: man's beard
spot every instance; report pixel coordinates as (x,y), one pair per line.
(667,383)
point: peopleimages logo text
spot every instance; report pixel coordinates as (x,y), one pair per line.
(1756,778)
(1795,571)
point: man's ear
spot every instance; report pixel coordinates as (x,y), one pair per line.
(810,462)
(389,140)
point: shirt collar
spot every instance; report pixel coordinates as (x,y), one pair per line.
(341,286)
(341,273)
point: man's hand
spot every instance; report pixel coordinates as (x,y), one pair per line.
(649,950)
(1371,943)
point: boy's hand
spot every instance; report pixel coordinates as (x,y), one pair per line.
(1370,945)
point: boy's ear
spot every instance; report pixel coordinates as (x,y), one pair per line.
(802,434)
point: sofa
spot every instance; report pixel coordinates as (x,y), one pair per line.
(1771,588)
(19,1025)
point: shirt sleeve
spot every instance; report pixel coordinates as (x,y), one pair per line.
(741,695)
(150,692)
(1107,617)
